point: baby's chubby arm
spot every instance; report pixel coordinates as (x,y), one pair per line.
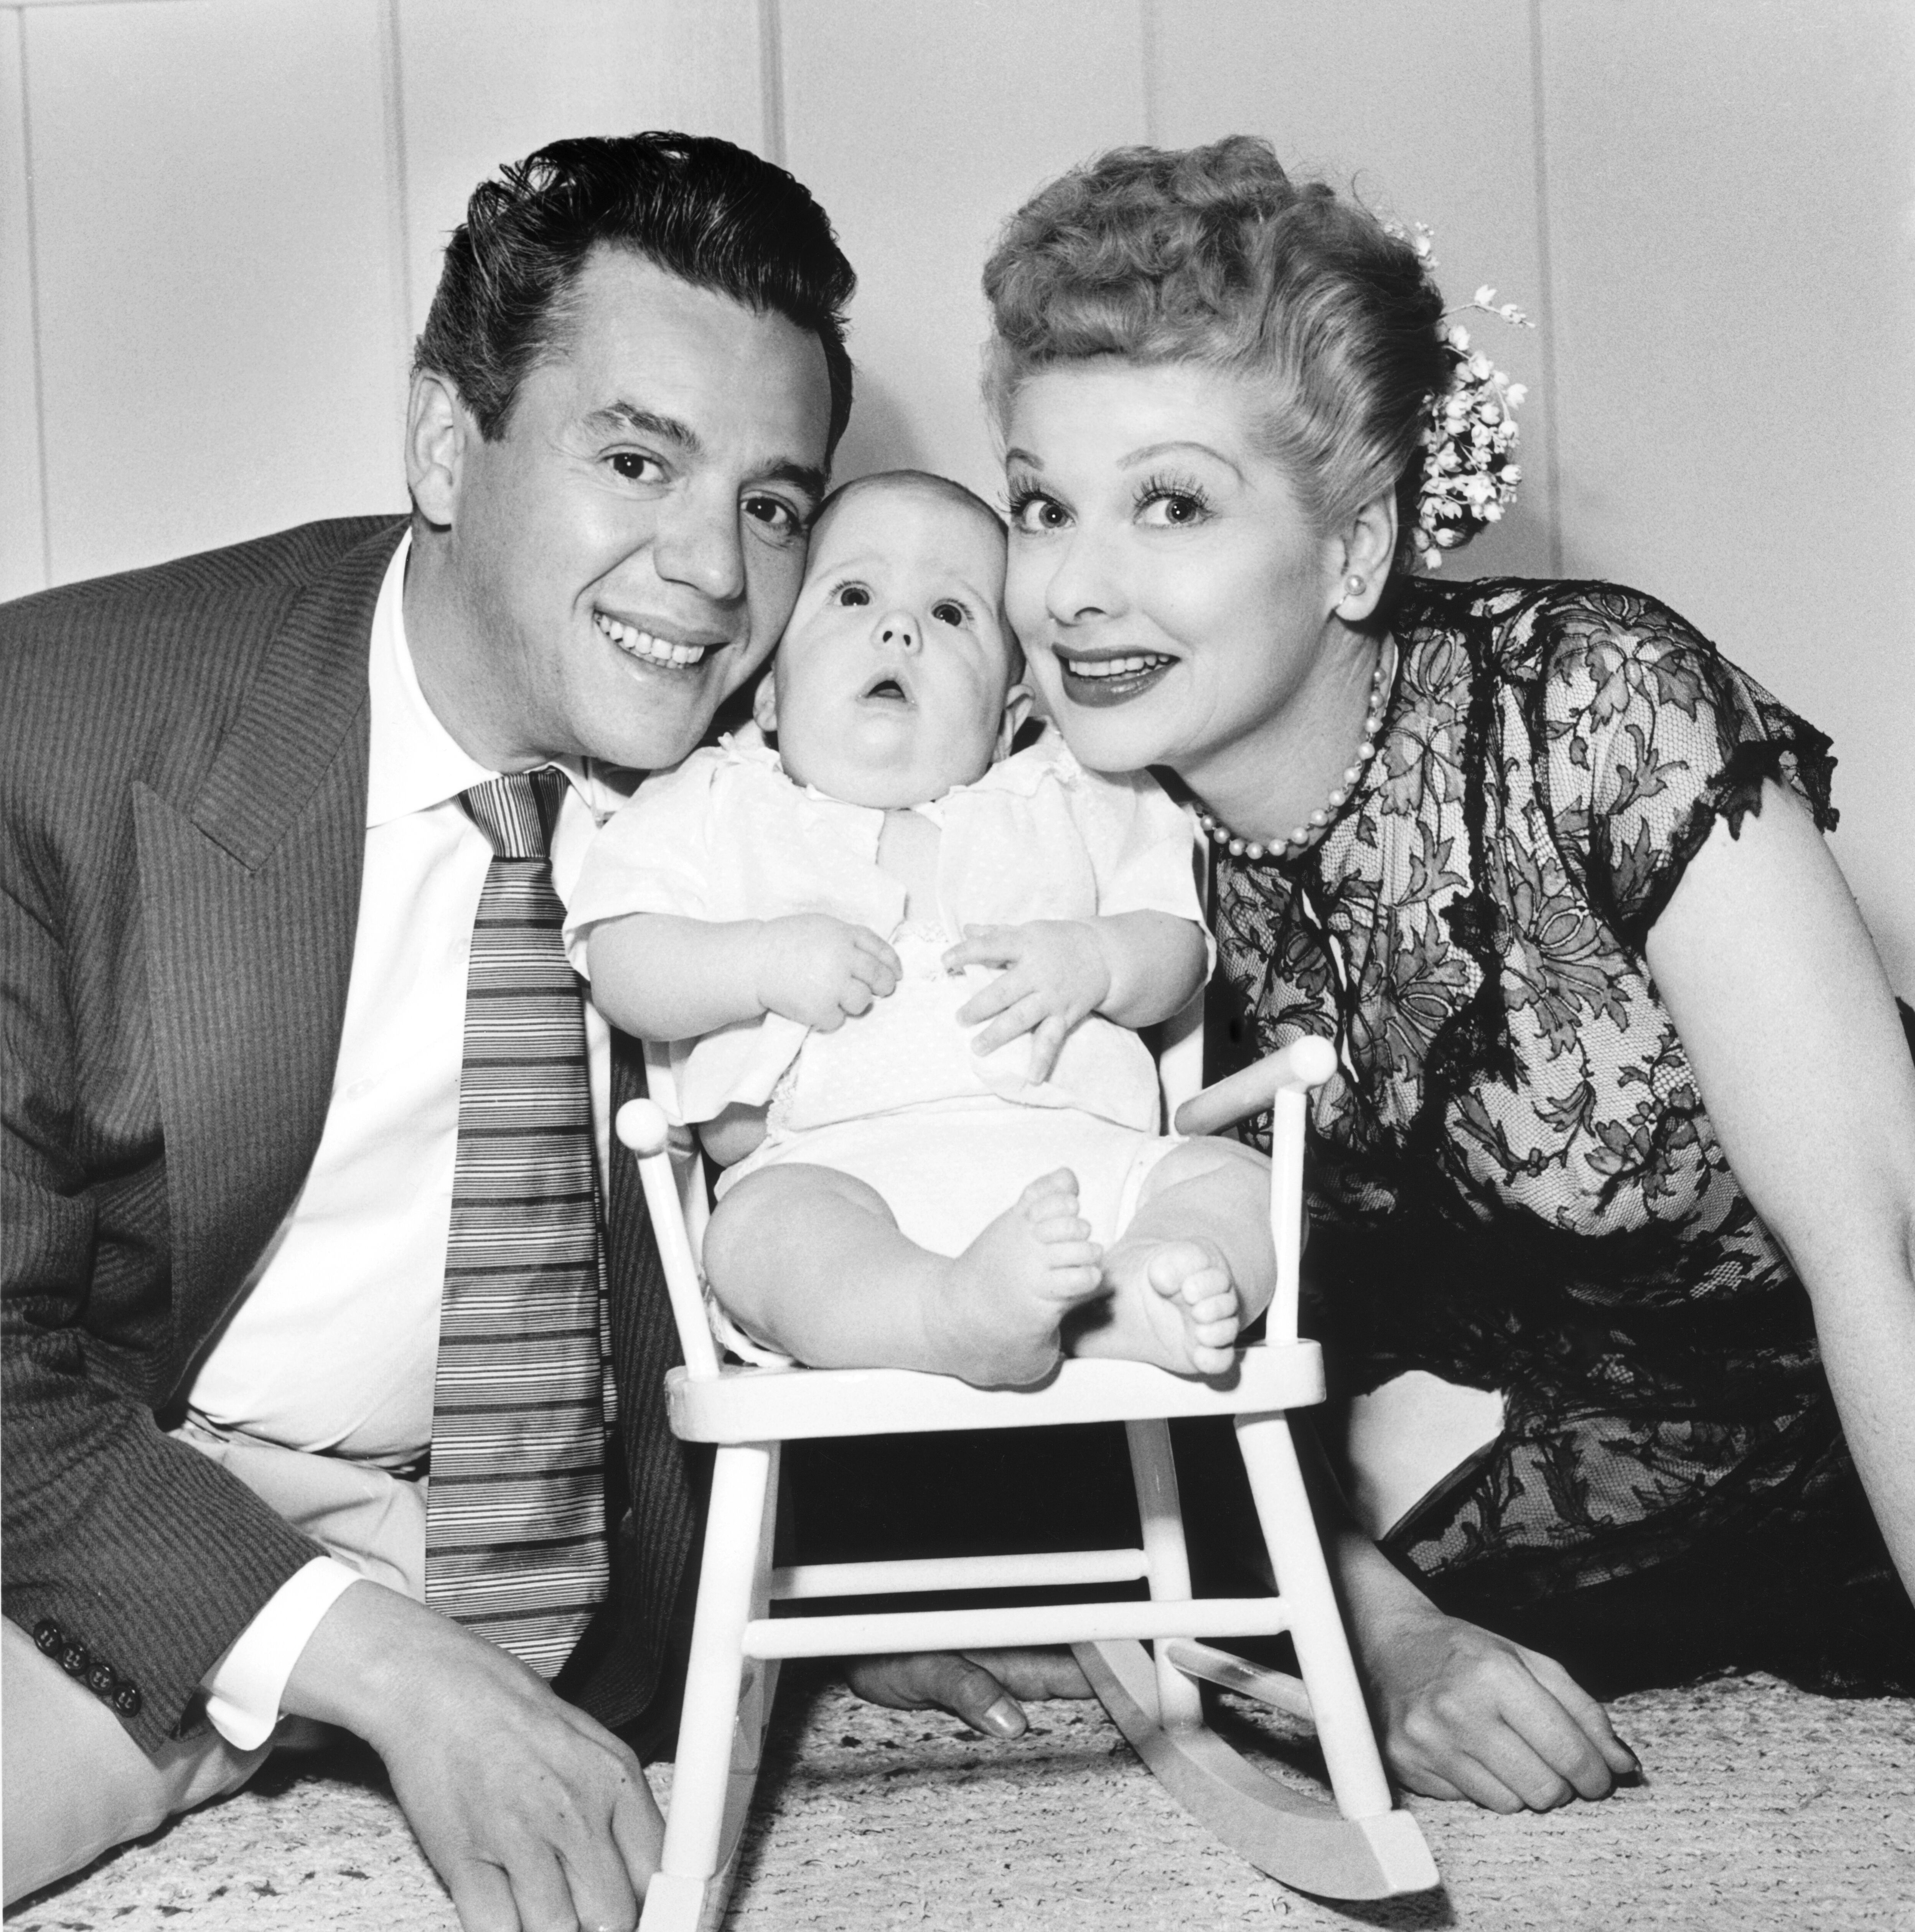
(660,976)
(1134,967)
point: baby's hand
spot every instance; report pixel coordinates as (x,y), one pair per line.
(817,970)
(1055,973)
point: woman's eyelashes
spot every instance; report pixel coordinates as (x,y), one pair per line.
(1161,501)
(1030,509)
(1173,503)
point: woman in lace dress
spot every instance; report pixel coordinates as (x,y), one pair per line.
(1624,1129)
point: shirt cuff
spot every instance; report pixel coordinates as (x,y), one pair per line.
(243,1689)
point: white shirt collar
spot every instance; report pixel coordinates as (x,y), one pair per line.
(415,762)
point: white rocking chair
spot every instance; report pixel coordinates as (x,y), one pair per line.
(1362,1848)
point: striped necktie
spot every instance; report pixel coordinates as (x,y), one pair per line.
(515,1512)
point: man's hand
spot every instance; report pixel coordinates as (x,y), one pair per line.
(1056,974)
(981,1687)
(1466,1713)
(819,970)
(533,1815)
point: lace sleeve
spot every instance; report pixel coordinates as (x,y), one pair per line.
(1647,735)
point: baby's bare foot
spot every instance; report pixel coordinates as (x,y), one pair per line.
(1006,1296)
(1185,1308)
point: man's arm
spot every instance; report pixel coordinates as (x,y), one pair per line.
(138,1548)
(532,1812)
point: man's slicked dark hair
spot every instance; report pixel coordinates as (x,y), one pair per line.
(715,215)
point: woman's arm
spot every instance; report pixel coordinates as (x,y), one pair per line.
(1769,976)
(1461,1712)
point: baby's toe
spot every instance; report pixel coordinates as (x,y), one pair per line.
(1207,1284)
(1052,1193)
(1175,1264)
(1216,1332)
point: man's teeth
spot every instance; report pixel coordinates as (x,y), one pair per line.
(1112,667)
(642,644)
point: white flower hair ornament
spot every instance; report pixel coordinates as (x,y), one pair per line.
(1469,475)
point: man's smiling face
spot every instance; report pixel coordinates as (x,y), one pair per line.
(626,554)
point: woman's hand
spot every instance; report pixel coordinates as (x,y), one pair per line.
(819,971)
(1464,1713)
(1460,1711)
(1056,974)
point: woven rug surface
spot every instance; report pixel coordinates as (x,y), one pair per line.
(1763,1808)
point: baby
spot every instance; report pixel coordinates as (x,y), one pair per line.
(898,963)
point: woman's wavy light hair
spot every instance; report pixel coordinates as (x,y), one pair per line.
(1214,255)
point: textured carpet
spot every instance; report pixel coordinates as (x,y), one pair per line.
(1763,1808)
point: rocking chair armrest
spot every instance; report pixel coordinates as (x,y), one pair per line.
(645,1128)
(1295,1069)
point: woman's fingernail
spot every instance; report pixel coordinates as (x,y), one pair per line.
(1005,1719)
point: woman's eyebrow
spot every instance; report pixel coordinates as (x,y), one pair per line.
(1151,451)
(1024,456)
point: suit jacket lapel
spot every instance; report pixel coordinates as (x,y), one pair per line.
(249,899)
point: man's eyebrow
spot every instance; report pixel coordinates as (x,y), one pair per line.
(646,422)
(804,476)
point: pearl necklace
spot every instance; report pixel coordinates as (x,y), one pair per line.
(1239,847)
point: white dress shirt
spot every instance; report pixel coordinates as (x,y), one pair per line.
(333,1348)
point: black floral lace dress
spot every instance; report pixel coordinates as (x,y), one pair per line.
(1514,1183)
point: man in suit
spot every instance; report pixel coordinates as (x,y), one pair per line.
(240,894)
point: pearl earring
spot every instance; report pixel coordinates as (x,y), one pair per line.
(1353,586)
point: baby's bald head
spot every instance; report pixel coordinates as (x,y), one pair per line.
(907,482)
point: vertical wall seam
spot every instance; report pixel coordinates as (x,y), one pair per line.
(771,79)
(1147,39)
(1546,269)
(399,235)
(37,325)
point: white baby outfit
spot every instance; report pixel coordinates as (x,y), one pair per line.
(948,1138)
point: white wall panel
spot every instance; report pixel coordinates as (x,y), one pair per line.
(1733,215)
(483,82)
(920,127)
(217,292)
(22,528)
(1426,111)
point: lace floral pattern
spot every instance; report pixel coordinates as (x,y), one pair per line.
(1515,1185)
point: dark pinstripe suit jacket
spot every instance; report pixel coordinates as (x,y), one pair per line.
(183,759)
